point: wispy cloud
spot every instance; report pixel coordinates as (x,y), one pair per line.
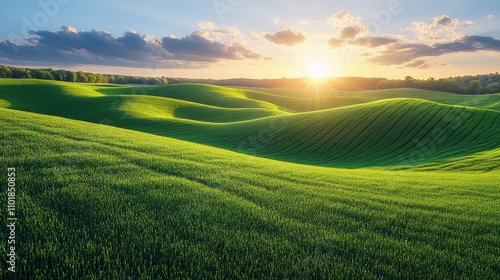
(216,33)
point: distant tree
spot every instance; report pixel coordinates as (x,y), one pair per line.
(111,79)
(71,76)
(59,75)
(91,78)
(20,73)
(120,79)
(409,81)
(5,72)
(388,84)
(81,77)
(474,87)
(493,88)
(42,74)
(102,79)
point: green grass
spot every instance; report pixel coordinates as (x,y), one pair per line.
(303,100)
(206,182)
(481,161)
(202,94)
(408,131)
(103,202)
(382,133)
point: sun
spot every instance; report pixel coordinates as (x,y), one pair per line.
(317,70)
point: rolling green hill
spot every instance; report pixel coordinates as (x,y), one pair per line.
(387,132)
(303,100)
(86,102)
(108,203)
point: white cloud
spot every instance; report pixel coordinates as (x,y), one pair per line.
(350,27)
(344,18)
(68,29)
(467,23)
(286,37)
(442,28)
(214,32)
(208,25)
(256,35)
(278,22)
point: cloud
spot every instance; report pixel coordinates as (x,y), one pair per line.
(212,31)
(444,20)
(256,35)
(206,25)
(399,54)
(490,16)
(68,29)
(350,28)
(343,18)
(199,48)
(286,37)
(441,36)
(442,28)
(467,23)
(369,42)
(69,46)
(418,63)
(373,42)
(335,42)
(351,32)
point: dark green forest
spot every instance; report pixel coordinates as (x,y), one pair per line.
(79,76)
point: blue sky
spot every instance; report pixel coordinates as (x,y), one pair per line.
(256,39)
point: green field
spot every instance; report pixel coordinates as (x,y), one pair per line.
(201,182)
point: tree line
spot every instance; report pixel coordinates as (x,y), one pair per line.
(79,76)
(479,84)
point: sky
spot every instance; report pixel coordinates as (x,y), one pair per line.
(254,39)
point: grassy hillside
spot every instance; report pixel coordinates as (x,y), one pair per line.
(86,102)
(387,132)
(303,100)
(477,162)
(102,202)
(203,94)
